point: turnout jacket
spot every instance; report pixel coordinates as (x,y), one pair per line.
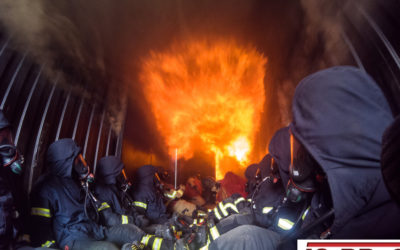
(147,199)
(107,190)
(268,195)
(57,202)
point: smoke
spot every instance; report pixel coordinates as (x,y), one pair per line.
(320,44)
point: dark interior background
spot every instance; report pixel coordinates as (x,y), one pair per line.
(72,71)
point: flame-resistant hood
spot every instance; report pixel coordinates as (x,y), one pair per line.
(279,148)
(60,157)
(108,169)
(339,115)
(145,175)
(3,121)
(265,166)
(251,171)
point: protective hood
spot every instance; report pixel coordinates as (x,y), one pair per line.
(108,169)
(60,157)
(279,149)
(250,172)
(3,121)
(265,166)
(339,115)
(145,175)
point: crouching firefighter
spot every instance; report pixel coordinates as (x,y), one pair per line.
(65,212)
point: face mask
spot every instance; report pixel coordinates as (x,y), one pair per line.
(123,181)
(82,169)
(301,172)
(11,158)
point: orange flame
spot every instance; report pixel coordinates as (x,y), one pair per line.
(207,96)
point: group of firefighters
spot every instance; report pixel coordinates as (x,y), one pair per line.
(321,179)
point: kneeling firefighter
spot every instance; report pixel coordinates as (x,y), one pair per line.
(65,212)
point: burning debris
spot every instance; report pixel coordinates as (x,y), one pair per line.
(207,96)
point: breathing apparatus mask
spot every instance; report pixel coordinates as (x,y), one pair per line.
(160,177)
(82,169)
(304,173)
(123,182)
(11,158)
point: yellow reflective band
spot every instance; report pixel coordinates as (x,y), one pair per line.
(285,224)
(239,200)
(157,243)
(223,208)
(219,217)
(171,196)
(48,243)
(305,213)
(140,204)
(145,239)
(195,221)
(266,210)
(124,219)
(249,199)
(41,212)
(103,206)
(214,232)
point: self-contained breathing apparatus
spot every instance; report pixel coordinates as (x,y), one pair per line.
(11,158)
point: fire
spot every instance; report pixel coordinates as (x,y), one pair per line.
(206,96)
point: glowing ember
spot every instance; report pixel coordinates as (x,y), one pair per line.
(207,96)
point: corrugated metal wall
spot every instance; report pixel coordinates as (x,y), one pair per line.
(42,112)
(372,36)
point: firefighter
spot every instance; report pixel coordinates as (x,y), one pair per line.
(339,116)
(11,197)
(64,211)
(113,187)
(148,195)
